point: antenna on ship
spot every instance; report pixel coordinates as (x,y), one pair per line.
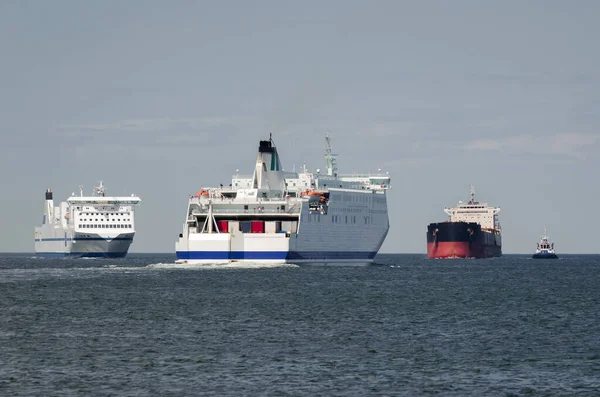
(99,190)
(80,190)
(472,195)
(330,158)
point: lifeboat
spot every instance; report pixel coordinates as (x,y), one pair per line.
(309,192)
(202,193)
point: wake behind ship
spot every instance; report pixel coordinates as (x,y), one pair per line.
(276,216)
(473,231)
(87,226)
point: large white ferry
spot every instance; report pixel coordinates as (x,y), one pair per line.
(287,217)
(87,226)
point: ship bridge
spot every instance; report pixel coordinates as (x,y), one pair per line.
(474,211)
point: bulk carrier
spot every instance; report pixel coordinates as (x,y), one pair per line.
(473,231)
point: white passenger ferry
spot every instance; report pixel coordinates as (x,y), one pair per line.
(287,217)
(87,226)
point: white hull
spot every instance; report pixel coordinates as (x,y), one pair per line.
(60,242)
(318,238)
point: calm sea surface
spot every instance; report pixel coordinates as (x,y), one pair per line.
(407,326)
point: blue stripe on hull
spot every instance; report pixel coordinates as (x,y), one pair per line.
(81,254)
(258,255)
(275,255)
(330,255)
(233,255)
(84,239)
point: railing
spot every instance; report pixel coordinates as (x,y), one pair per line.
(292,210)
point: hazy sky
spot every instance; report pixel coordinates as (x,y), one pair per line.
(160,98)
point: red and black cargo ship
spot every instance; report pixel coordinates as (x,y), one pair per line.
(473,231)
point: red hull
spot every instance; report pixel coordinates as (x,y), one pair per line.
(461,249)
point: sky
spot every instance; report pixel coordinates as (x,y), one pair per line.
(160,98)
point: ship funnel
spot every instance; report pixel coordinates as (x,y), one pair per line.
(48,208)
(268,176)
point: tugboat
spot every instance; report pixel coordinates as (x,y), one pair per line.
(545,249)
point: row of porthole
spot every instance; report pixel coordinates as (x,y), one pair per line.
(104,226)
(104,213)
(92,220)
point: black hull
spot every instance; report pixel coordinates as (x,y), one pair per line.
(544,256)
(463,240)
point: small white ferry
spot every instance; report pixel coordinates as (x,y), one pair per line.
(287,217)
(545,249)
(87,226)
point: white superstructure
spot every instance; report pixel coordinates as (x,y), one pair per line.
(474,211)
(278,216)
(544,247)
(87,226)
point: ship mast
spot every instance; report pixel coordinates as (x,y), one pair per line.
(330,158)
(472,201)
(99,190)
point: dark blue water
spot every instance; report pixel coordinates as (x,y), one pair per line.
(408,326)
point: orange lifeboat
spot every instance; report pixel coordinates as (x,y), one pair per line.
(309,192)
(202,193)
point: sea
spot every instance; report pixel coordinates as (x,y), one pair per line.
(404,326)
